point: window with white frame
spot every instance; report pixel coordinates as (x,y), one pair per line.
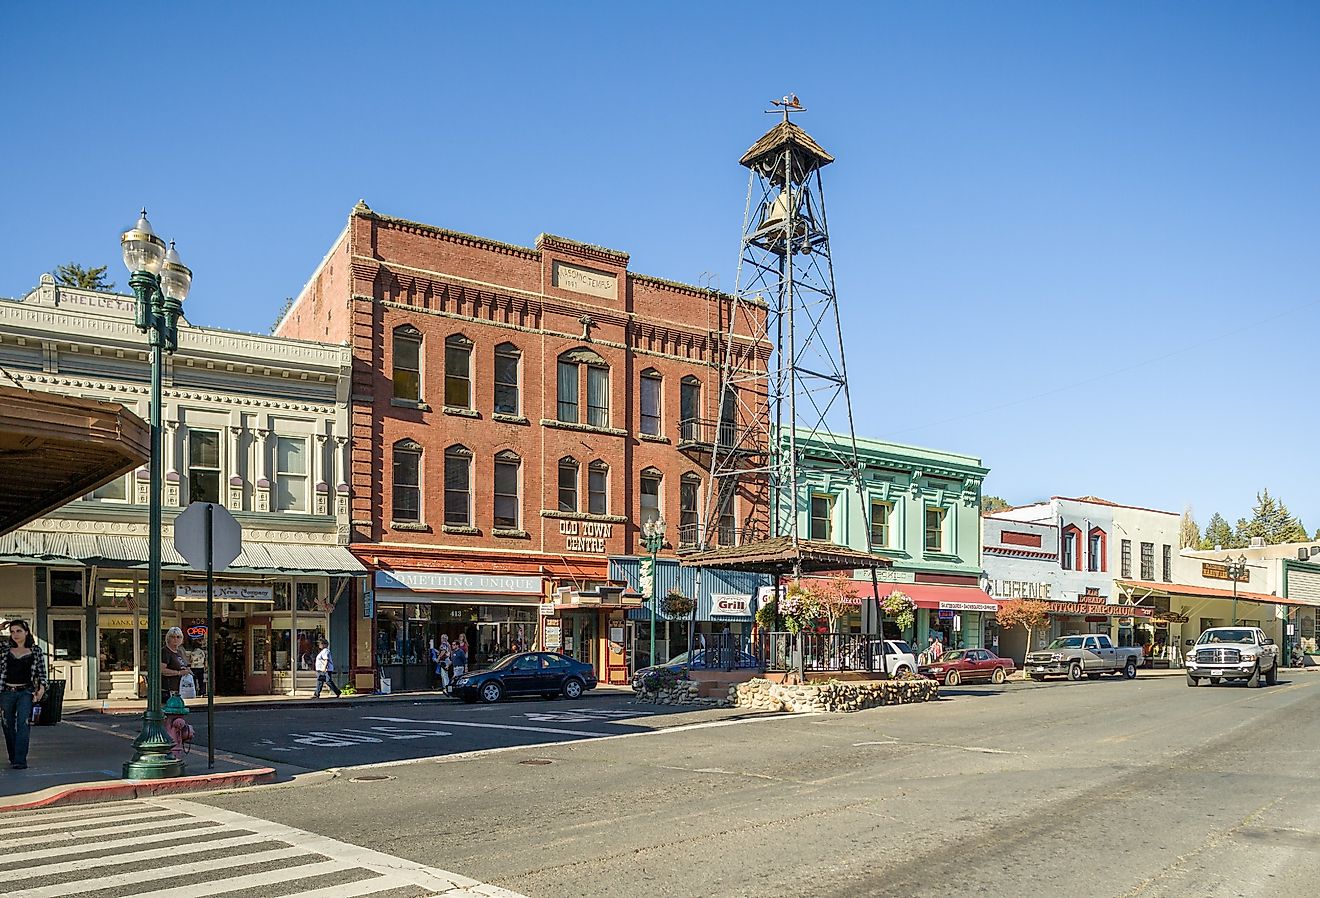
(881,512)
(568,484)
(935,520)
(507,362)
(291,474)
(598,396)
(407,507)
(508,468)
(203,465)
(822,517)
(458,372)
(458,487)
(598,481)
(573,367)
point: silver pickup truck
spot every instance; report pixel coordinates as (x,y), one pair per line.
(1086,655)
(1233,653)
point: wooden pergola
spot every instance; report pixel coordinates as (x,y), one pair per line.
(780,557)
(55,448)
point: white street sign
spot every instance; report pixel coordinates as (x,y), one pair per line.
(190,536)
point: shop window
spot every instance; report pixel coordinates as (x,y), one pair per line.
(935,538)
(281,593)
(260,660)
(114,491)
(507,469)
(391,629)
(1147,561)
(880,515)
(66,589)
(650,402)
(689,408)
(309,597)
(822,518)
(203,465)
(458,487)
(290,474)
(507,362)
(116,649)
(598,477)
(568,484)
(1125,558)
(650,496)
(408,363)
(458,372)
(407,507)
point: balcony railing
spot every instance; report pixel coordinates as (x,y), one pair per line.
(822,651)
(722,537)
(706,432)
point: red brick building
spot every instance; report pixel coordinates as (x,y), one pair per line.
(517,414)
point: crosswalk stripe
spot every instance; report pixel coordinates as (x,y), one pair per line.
(352,889)
(48,851)
(90,811)
(233,884)
(149,854)
(104,828)
(82,821)
(158,873)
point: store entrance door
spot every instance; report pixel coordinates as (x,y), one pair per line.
(67,662)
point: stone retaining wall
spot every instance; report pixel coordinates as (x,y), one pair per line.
(763,695)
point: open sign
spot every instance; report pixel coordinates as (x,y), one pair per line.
(197,632)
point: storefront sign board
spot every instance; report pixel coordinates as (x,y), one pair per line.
(968,606)
(226,593)
(440,581)
(553,635)
(1096,608)
(1214,571)
(730,605)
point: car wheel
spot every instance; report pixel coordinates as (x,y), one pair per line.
(1272,675)
(951,678)
(1074,671)
(903,671)
(998,676)
(492,692)
(573,689)
(1253,681)
(1191,680)
(1130,671)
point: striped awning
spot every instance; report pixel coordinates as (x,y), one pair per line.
(35,547)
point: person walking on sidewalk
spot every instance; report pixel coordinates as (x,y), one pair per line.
(174,664)
(325,669)
(23,681)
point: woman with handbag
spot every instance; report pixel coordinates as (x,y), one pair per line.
(174,664)
(23,681)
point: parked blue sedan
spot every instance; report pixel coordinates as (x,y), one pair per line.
(528,673)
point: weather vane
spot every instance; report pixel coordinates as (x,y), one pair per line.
(788,103)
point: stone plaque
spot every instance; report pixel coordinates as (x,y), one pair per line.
(585,280)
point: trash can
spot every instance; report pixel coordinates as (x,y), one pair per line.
(52,704)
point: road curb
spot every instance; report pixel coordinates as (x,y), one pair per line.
(117,790)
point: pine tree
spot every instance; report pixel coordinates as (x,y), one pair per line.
(1189,534)
(1218,533)
(1270,521)
(75,275)
(992,504)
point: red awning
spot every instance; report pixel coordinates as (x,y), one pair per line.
(942,597)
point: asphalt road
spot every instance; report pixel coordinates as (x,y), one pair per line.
(1112,788)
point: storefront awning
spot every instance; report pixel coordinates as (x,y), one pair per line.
(1142,589)
(35,547)
(943,597)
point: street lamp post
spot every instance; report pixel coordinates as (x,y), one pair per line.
(160,282)
(1236,570)
(653,537)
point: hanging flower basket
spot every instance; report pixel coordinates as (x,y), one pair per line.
(800,608)
(900,607)
(675,604)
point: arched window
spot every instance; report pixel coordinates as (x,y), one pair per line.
(651,482)
(568,484)
(407,364)
(508,470)
(1097,545)
(689,408)
(650,402)
(407,507)
(598,483)
(458,486)
(458,371)
(508,359)
(689,490)
(575,366)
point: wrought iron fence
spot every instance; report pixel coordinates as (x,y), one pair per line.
(821,651)
(689,534)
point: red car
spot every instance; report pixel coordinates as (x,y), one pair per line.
(970,665)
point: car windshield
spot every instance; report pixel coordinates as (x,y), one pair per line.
(505,662)
(1239,637)
(902,646)
(1067,642)
(955,655)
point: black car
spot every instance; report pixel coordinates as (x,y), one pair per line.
(527,673)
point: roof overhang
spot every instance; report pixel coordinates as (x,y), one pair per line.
(1140,590)
(780,556)
(56,448)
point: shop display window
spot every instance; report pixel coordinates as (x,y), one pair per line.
(66,589)
(116,649)
(309,597)
(260,650)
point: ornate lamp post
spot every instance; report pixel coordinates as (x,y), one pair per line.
(653,537)
(1237,569)
(160,282)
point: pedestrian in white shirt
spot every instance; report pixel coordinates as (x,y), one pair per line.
(325,669)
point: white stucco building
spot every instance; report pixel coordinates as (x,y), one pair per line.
(256,423)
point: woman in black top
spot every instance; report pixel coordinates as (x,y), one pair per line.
(173,663)
(22,681)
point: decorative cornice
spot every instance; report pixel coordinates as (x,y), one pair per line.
(187,395)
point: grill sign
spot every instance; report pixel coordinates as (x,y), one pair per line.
(724,605)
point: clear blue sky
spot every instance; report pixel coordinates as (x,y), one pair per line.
(1078,240)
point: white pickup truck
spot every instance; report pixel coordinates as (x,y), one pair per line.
(1085,655)
(1233,653)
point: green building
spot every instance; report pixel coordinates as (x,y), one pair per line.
(923,508)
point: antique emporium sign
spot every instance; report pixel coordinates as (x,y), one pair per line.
(585,536)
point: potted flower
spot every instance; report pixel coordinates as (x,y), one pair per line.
(675,604)
(901,608)
(800,608)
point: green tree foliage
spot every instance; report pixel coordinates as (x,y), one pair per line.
(1189,534)
(1219,533)
(84,278)
(1271,521)
(992,504)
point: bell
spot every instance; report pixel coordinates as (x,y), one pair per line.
(777,211)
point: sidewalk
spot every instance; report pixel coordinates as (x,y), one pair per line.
(300,700)
(73,762)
